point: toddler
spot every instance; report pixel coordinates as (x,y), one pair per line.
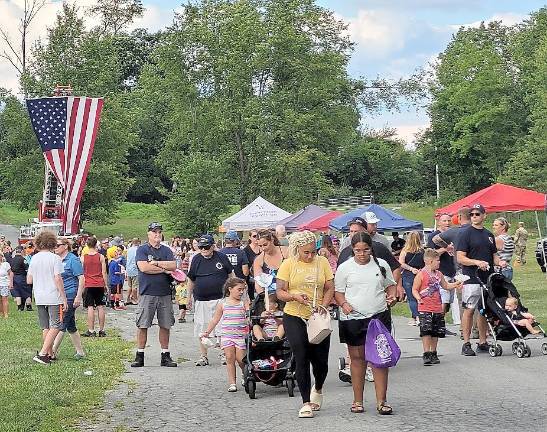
(519,318)
(271,323)
(181,296)
(232,315)
(426,290)
(116,278)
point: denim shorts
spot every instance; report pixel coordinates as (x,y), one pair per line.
(69,322)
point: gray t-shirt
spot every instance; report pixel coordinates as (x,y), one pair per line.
(380,238)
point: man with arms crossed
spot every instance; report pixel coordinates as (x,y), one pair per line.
(155,262)
(477,254)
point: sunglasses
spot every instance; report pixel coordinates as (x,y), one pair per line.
(254,235)
(475,214)
(205,247)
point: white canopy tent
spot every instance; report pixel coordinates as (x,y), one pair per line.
(258,214)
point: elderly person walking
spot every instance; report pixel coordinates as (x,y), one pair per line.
(73,283)
(365,288)
(155,262)
(504,244)
(303,280)
(44,273)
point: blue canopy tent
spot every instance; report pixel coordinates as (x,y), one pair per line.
(389,220)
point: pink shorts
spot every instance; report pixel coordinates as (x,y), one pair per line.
(233,341)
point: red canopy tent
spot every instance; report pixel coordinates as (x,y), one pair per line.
(499,198)
(321,223)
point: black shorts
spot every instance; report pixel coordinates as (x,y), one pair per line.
(432,324)
(182,307)
(354,332)
(94,297)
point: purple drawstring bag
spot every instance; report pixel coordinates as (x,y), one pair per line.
(381,350)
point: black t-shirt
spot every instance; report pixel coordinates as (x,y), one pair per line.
(18,266)
(397,245)
(237,258)
(447,266)
(209,275)
(251,255)
(379,250)
(154,284)
(479,244)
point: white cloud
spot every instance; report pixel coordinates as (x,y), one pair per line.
(378,33)
(506,18)
(408,132)
(11,12)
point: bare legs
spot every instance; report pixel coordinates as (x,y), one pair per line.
(233,355)
(91,318)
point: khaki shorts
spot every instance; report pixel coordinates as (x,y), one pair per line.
(133,282)
(49,316)
(160,306)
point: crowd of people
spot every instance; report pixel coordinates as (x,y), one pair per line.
(363,275)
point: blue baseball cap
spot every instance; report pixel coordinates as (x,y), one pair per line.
(232,236)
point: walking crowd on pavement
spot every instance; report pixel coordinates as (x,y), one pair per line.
(295,279)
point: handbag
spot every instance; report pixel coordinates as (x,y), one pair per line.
(381,350)
(319,324)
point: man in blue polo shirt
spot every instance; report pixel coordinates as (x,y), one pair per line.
(73,282)
(155,262)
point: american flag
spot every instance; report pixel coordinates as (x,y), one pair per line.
(66,128)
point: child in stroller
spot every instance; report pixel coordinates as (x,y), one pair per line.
(270,325)
(519,317)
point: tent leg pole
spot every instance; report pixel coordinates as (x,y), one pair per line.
(538,224)
(540,242)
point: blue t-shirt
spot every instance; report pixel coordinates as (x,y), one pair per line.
(237,258)
(154,284)
(132,269)
(73,269)
(115,277)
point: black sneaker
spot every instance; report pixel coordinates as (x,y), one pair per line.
(21,307)
(467,350)
(483,347)
(29,308)
(167,361)
(427,358)
(139,360)
(89,334)
(434,357)
(42,359)
(344,376)
(102,333)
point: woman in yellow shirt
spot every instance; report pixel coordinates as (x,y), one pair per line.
(300,278)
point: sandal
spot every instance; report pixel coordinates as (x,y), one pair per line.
(305,412)
(384,409)
(316,399)
(232,388)
(357,408)
(203,361)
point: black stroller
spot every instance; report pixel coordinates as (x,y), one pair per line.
(502,328)
(268,361)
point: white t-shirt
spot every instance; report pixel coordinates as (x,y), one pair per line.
(43,268)
(4,270)
(364,287)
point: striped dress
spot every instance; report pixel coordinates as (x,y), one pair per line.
(233,325)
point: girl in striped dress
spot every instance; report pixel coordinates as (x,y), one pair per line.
(232,315)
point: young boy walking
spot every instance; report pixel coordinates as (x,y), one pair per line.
(426,290)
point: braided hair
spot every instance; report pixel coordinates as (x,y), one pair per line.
(364,237)
(299,239)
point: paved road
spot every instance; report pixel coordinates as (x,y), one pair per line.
(11,233)
(477,394)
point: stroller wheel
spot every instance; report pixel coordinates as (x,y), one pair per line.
(290,387)
(251,386)
(499,350)
(492,351)
(341,363)
(520,351)
(544,348)
(514,347)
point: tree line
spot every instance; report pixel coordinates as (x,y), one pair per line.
(236,99)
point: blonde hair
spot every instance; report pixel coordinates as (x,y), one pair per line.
(431,254)
(512,300)
(504,222)
(413,242)
(299,239)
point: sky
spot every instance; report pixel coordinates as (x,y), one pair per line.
(393,37)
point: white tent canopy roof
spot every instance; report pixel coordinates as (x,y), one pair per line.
(258,214)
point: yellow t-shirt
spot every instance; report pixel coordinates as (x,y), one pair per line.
(85,250)
(302,278)
(181,294)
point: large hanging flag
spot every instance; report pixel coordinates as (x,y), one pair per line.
(66,128)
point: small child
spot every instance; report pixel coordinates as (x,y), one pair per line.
(271,323)
(232,315)
(426,290)
(115,279)
(519,318)
(181,296)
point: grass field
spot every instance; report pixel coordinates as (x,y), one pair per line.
(52,398)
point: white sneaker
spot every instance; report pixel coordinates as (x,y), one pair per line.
(222,358)
(368,375)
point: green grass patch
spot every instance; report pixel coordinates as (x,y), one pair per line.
(530,282)
(10,214)
(52,397)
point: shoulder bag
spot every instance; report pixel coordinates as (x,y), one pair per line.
(319,324)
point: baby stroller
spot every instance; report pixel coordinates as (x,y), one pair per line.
(502,328)
(270,362)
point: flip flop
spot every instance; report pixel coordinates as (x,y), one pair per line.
(384,409)
(316,399)
(305,412)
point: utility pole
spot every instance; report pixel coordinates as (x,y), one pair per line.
(437,176)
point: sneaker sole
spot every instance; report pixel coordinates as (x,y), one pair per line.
(37,360)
